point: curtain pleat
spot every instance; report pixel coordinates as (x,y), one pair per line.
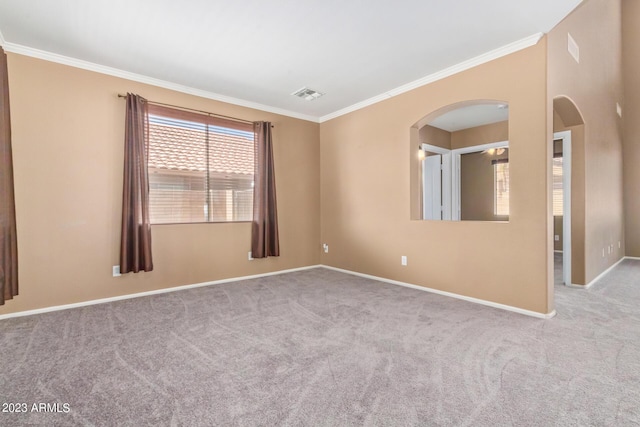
(135,247)
(264,231)
(8,237)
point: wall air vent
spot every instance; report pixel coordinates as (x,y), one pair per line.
(573,48)
(307,94)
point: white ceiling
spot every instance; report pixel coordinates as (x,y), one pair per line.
(260,51)
(471,116)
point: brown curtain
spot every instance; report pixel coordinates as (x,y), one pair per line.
(264,233)
(8,239)
(135,244)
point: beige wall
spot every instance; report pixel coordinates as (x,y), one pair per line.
(477,187)
(578,206)
(368,162)
(68,127)
(476,171)
(631,71)
(434,136)
(594,85)
(495,132)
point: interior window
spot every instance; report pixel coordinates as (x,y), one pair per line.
(464,163)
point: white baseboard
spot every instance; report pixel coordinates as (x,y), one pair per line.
(448,294)
(148,293)
(604,273)
(273,273)
(601,275)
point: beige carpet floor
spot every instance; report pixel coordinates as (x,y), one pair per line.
(322,348)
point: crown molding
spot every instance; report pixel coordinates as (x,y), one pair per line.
(447,72)
(439,75)
(90,66)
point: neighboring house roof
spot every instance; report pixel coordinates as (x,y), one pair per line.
(183,149)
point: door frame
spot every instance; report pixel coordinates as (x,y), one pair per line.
(432,205)
(455,159)
(565,136)
(446,178)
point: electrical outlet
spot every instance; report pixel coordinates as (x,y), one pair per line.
(249,257)
(557,238)
(116,271)
(602,252)
(403,260)
(325,248)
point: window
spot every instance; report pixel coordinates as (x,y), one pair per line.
(501,188)
(200,167)
(558,192)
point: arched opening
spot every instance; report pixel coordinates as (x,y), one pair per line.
(567,112)
(568,197)
(460,163)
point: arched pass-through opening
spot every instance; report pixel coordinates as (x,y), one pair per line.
(568,194)
(455,153)
(568,112)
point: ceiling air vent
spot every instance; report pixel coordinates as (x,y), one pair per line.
(307,94)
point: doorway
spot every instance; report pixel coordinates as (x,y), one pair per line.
(561,167)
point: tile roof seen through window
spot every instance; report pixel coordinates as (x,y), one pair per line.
(182,146)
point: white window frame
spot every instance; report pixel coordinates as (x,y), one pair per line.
(495,188)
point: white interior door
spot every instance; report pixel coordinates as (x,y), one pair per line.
(432,197)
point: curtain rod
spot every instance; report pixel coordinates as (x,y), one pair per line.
(194,110)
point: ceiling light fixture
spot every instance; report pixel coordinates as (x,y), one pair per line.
(496,151)
(307,94)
